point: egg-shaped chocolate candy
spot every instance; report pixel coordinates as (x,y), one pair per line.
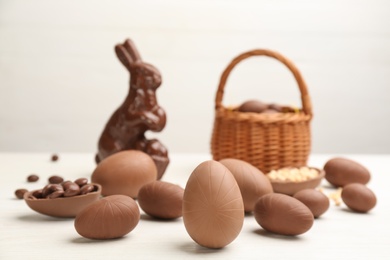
(213,210)
(125,173)
(111,217)
(358,197)
(252,182)
(253,106)
(315,200)
(161,199)
(282,214)
(342,171)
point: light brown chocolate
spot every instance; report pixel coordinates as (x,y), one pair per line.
(161,199)
(252,182)
(283,214)
(111,217)
(125,173)
(213,210)
(358,197)
(315,200)
(342,171)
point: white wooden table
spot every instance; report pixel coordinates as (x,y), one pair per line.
(338,234)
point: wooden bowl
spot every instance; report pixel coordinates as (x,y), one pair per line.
(290,187)
(62,207)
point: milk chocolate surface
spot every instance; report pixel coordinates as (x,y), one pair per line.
(139,112)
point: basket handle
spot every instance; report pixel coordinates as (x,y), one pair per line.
(305,98)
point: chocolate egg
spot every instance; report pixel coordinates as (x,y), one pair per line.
(315,200)
(252,182)
(213,210)
(275,107)
(342,171)
(253,106)
(161,199)
(358,197)
(125,173)
(111,217)
(282,214)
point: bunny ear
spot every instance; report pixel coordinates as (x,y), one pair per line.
(132,50)
(123,55)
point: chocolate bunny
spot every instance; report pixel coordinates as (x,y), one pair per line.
(139,112)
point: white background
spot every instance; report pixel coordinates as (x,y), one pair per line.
(60,79)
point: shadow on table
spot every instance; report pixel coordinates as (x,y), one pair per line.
(267,234)
(348,210)
(194,248)
(152,219)
(42,218)
(83,240)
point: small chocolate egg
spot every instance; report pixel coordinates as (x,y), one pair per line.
(342,171)
(315,200)
(253,106)
(358,197)
(252,182)
(281,214)
(161,199)
(213,210)
(125,173)
(111,217)
(275,107)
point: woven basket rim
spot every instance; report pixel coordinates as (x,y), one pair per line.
(263,118)
(305,97)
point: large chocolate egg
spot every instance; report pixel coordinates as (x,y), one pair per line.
(358,197)
(213,210)
(315,200)
(125,173)
(252,182)
(161,199)
(342,171)
(111,217)
(283,214)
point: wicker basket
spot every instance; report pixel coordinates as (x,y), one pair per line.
(266,140)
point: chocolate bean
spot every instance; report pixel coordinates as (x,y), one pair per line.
(55,179)
(81,181)
(50,188)
(55,194)
(66,184)
(38,194)
(54,158)
(32,178)
(19,193)
(72,189)
(87,188)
